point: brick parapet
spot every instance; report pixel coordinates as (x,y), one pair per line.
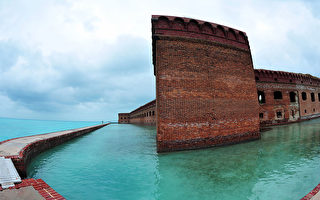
(263,75)
(193,28)
(181,27)
(144,107)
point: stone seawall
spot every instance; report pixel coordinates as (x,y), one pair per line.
(22,150)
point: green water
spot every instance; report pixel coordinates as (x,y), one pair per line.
(120,162)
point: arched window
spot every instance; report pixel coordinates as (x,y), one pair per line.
(277,95)
(279,114)
(304,96)
(319,97)
(261,115)
(292,97)
(313,99)
(261,97)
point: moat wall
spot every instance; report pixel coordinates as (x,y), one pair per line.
(205,87)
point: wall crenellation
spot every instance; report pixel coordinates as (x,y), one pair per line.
(286,77)
(180,26)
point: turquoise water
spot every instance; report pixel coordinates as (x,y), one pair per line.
(120,162)
(12,128)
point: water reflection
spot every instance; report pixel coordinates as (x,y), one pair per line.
(284,164)
(120,162)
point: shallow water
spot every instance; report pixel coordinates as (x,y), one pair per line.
(120,162)
(12,128)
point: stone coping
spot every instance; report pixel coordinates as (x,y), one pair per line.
(312,194)
(40,188)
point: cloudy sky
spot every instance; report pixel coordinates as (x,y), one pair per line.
(90,59)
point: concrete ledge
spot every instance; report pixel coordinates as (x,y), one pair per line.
(22,150)
(285,122)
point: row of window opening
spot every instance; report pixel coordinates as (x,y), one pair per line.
(147,114)
(278,95)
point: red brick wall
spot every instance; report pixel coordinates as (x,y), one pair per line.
(145,114)
(205,87)
(270,81)
(124,118)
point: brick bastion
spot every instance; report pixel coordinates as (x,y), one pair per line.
(205,87)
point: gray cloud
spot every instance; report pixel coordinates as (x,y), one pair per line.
(89,60)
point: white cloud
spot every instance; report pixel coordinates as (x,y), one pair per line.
(88,60)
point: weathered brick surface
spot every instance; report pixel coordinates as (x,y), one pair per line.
(285,82)
(124,118)
(145,114)
(206,93)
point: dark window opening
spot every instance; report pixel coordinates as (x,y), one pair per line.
(292,113)
(319,97)
(277,95)
(257,78)
(301,81)
(290,80)
(261,115)
(261,97)
(120,117)
(152,112)
(275,79)
(279,114)
(313,99)
(314,110)
(304,96)
(292,97)
(305,111)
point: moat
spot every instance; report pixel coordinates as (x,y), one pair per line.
(120,162)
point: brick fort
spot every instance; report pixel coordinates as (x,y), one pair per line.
(208,93)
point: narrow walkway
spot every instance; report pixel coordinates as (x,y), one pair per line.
(22,150)
(14,146)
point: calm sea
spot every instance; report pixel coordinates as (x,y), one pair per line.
(120,161)
(12,128)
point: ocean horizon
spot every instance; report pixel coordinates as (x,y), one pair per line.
(14,127)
